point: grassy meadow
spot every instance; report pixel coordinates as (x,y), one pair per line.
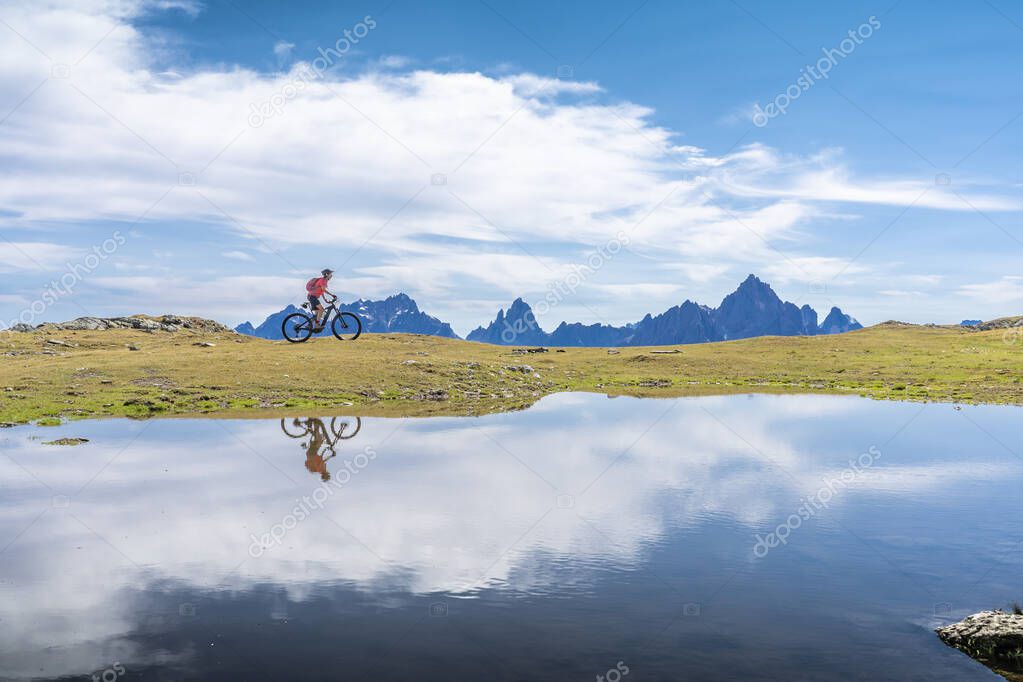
(49,374)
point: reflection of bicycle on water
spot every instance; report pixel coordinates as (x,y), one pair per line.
(342,428)
(323,439)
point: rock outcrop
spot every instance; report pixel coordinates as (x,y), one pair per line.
(1000,323)
(994,638)
(163,323)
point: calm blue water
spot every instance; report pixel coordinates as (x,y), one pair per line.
(723,538)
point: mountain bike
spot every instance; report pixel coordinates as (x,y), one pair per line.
(298,327)
(342,428)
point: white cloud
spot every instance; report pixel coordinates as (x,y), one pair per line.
(1007,291)
(237,255)
(740,115)
(526,161)
(924,280)
(227,298)
(16,256)
(189,7)
(638,289)
(823,178)
(811,269)
(282,49)
(698,272)
(394,61)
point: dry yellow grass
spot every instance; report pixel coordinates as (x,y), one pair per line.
(402,374)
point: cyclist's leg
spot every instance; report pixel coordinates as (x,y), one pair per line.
(317,308)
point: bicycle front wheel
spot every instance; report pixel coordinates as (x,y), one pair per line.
(346,326)
(343,429)
(297,327)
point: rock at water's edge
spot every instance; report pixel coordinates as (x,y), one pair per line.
(994,638)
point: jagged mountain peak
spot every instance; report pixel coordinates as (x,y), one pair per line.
(752,309)
(518,309)
(753,286)
(838,322)
(751,279)
(519,306)
(403,299)
(516,326)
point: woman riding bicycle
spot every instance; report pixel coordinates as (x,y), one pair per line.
(315,288)
(300,326)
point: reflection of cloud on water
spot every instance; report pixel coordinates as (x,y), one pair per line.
(441,507)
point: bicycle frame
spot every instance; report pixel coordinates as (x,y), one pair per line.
(331,435)
(327,310)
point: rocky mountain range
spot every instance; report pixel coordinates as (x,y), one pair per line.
(398,313)
(754,309)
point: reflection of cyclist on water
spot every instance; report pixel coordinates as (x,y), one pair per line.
(315,462)
(322,441)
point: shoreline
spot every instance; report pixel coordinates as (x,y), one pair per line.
(54,374)
(406,409)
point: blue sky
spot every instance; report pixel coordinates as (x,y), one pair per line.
(471,152)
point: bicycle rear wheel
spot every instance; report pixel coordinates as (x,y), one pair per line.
(297,425)
(346,326)
(297,327)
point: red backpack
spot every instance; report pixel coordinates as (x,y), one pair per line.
(314,287)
